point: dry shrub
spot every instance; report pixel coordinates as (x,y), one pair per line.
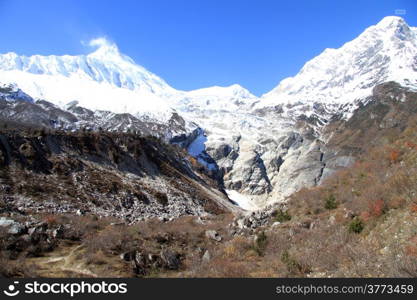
(294,267)
(224,267)
(113,240)
(361,259)
(96,258)
(237,248)
(403,261)
(399,181)
(307,201)
(50,219)
(322,248)
(279,241)
(79,227)
(194,162)
(365,216)
(407,267)
(410,145)
(15,268)
(413,208)
(396,202)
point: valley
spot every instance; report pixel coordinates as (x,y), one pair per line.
(107,171)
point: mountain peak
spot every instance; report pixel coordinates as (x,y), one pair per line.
(393,27)
(391,22)
(105,49)
(383,52)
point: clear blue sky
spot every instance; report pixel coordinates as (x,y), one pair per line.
(197,43)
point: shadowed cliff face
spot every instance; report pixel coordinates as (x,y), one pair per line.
(109,174)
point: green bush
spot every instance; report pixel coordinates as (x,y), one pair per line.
(292,265)
(260,243)
(330,202)
(281,216)
(356,226)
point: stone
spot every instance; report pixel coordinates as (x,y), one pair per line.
(127,256)
(206,257)
(240,223)
(13,226)
(214,235)
(58,232)
(170,259)
(38,228)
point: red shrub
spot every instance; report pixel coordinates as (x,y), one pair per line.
(413,208)
(50,219)
(394,155)
(376,208)
(410,145)
(365,216)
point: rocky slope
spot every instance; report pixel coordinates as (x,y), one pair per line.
(20,108)
(106,174)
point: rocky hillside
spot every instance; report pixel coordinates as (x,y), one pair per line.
(21,109)
(358,222)
(105,174)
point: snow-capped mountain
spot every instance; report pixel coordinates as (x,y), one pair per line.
(216,98)
(384,52)
(108,80)
(265,148)
(102,80)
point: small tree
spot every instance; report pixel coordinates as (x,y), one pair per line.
(260,243)
(281,216)
(356,226)
(330,202)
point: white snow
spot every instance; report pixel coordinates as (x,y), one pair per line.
(244,201)
(102,80)
(384,52)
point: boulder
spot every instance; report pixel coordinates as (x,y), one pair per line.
(214,235)
(170,259)
(58,233)
(38,228)
(12,226)
(206,257)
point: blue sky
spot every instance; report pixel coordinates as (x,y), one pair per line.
(197,43)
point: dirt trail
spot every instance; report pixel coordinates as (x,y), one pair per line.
(62,262)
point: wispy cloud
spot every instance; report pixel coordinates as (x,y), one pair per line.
(100,43)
